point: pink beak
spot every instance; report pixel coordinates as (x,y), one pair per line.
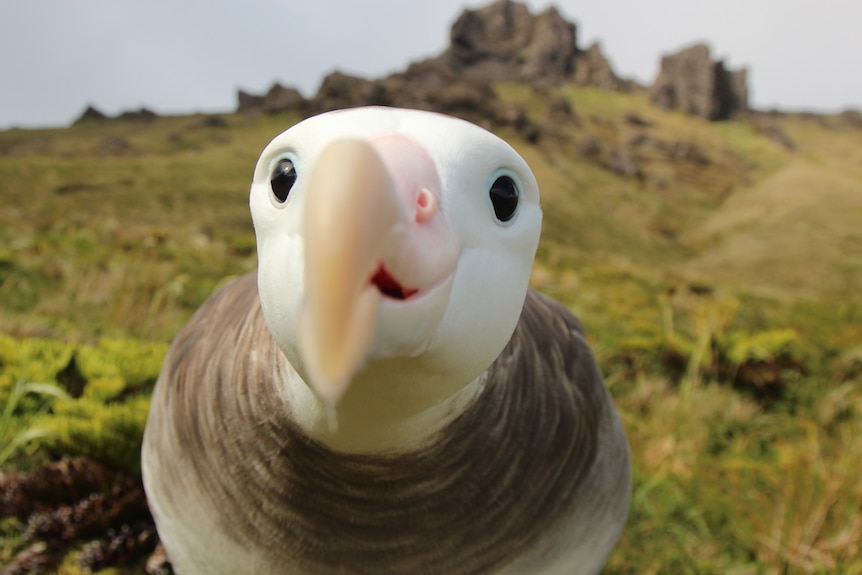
(372,211)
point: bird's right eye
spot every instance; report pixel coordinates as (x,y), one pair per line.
(282,180)
(504,198)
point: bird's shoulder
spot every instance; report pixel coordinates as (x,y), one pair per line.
(549,348)
(225,331)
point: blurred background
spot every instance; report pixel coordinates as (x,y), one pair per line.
(57,57)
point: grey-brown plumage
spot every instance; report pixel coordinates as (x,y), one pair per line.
(532,477)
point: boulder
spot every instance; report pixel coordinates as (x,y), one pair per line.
(282,99)
(90,114)
(499,42)
(277,99)
(143,115)
(738,81)
(140,115)
(248,102)
(691,81)
(483,42)
(505,42)
(594,69)
(340,90)
(424,86)
(550,56)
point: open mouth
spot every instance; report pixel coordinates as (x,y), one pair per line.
(389,286)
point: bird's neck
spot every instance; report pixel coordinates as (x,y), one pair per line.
(389,407)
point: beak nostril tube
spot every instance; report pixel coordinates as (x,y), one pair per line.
(426,204)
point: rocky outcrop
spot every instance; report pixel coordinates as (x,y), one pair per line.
(140,115)
(691,81)
(592,68)
(424,86)
(90,114)
(247,102)
(144,115)
(505,42)
(738,84)
(500,42)
(277,99)
(339,90)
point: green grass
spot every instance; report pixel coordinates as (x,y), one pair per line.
(121,243)
(727,255)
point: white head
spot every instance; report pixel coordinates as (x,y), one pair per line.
(395,249)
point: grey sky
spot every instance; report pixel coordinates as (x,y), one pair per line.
(57,56)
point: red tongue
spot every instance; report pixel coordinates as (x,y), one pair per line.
(389,286)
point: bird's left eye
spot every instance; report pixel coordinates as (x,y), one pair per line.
(504,198)
(282,179)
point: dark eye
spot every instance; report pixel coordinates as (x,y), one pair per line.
(504,197)
(283,178)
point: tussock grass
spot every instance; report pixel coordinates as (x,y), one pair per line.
(127,240)
(722,485)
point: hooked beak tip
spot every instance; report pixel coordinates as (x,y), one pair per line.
(350,212)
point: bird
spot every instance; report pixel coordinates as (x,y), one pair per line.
(386,393)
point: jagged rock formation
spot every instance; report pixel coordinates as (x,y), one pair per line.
(339,90)
(691,81)
(91,114)
(424,86)
(504,41)
(500,42)
(278,98)
(592,68)
(139,115)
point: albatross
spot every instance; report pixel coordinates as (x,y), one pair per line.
(386,394)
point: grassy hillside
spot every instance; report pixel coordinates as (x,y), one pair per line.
(715,267)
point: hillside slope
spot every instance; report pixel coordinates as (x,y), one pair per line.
(625,186)
(796,232)
(715,267)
